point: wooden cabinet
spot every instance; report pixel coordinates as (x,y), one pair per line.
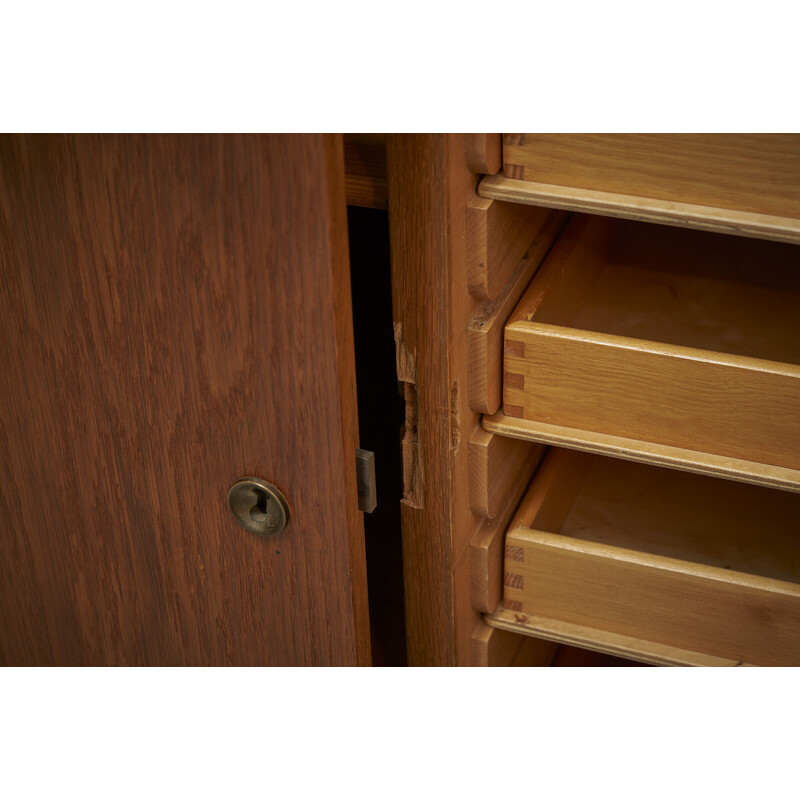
(597,347)
(635,331)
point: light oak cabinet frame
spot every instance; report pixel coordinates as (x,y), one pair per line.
(431,195)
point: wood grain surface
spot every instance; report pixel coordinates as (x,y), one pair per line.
(681,287)
(692,562)
(682,604)
(696,518)
(681,338)
(486,551)
(603,641)
(747,184)
(175,314)
(429,188)
(484,152)
(735,469)
(485,329)
(493,647)
(494,464)
(365,171)
(498,236)
(416,223)
(676,396)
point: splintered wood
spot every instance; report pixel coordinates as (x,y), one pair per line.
(413,472)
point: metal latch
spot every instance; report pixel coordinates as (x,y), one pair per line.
(365,477)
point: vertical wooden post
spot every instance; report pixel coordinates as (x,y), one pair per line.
(429,187)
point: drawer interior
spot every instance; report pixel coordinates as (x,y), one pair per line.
(679,287)
(694,518)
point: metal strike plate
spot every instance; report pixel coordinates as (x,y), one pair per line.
(258,506)
(365,476)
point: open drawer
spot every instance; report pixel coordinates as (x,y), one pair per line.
(658,335)
(741,184)
(661,556)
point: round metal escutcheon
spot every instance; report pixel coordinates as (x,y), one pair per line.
(258,506)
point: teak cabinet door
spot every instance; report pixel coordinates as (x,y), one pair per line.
(175,314)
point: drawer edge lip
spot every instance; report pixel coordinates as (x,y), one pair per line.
(601,641)
(643,209)
(682,567)
(681,352)
(645,452)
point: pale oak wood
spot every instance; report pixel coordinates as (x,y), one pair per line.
(715,362)
(549,501)
(746,409)
(498,235)
(679,603)
(486,547)
(695,563)
(484,152)
(485,329)
(494,464)
(744,184)
(645,452)
(566,280)
(570,656)
(493,647)
(666,512)
(602,641)
(734,223)
(685,288)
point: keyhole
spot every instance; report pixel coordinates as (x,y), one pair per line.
(258,513)
(258,506)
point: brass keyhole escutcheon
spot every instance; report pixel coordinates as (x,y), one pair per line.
(258,506)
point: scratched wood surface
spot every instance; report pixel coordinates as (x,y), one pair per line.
(175,314)
(416,224)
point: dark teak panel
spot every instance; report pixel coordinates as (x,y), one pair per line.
(174,314)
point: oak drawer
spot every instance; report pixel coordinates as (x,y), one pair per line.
(666,557)
(661,335)
(743,184)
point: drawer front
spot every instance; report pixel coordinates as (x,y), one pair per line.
(755,173)
(664,600)
(695,400)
